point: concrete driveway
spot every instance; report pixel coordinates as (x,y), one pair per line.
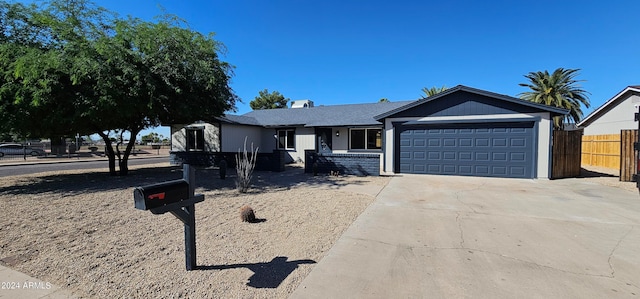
(458,237)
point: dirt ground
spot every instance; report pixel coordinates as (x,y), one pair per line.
(606,176)
(80,230)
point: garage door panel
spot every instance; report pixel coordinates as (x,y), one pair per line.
(419,168)
(449,142)
(465,141)
(449,168)
(518,157)
(517,171)
(482,157)
(500,150)
(500,130)
(482,142)
(449,156)
(499,142)
(482,170)
(434,156)
(499,170)
(499,157)
(465,169)
(465,156)
(518,142)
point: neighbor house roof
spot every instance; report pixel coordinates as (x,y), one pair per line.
(608,105)
(553,110)
(317,116)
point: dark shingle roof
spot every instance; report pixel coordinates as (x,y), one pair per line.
(318,116)
(238,119)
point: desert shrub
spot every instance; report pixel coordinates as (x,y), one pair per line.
(245,164)
(247,214)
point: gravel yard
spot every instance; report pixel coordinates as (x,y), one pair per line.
(80,230)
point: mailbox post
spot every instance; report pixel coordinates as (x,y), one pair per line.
(178,198)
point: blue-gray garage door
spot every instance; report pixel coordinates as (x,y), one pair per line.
(477,149)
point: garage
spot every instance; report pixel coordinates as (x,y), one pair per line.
(465,131)
(504,149)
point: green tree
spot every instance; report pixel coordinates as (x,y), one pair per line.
(384,100)
(152,137)
(559,89)
(267,100)
(432,91)
(69,67)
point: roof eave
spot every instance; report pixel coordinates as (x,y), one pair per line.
(596,113)
(551,109)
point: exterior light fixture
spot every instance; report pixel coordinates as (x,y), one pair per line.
(337,133)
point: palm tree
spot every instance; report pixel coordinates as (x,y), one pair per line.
(432,91)
(559,89)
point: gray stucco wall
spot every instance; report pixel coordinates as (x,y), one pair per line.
(211,137)
(233,137)
(619,117)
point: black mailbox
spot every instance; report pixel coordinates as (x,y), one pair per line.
(178,198)
(158,195)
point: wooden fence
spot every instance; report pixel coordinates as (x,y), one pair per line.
(566,154)
(627,155)
(601,150)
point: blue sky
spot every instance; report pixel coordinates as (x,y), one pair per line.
(335,52)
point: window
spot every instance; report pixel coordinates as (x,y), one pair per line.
(366,139)
(286,139)
(195,139)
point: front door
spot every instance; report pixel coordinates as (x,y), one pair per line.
(323,140)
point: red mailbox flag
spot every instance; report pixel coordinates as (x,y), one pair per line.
(156,196)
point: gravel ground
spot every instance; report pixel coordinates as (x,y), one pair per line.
(79,230)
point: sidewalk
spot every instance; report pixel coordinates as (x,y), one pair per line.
(19,285)
(79,157)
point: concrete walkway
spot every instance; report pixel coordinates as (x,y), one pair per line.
(464,237)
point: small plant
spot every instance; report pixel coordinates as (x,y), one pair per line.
(245,164)
(247,214)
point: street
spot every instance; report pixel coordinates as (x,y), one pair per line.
(10,170)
